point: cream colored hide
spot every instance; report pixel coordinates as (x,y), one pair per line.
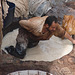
(48,50)
(69,24)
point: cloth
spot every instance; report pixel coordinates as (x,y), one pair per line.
(22,8)
(5,8)
(8,20)
(35,26)
(69,24)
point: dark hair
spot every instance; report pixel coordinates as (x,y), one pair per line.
(50,19)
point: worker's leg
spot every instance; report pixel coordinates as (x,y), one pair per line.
(21,45)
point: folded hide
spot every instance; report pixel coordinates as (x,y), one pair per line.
(69,24)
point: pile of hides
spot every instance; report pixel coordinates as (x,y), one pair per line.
(69,24)
(47,50)
(34,7)
(17,9)
(39,7)
(21,8)
(25,8)
(60,12)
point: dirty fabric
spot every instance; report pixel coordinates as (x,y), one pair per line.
(69,24)
(21,8)
(1,26)
(17,9)
(8,20)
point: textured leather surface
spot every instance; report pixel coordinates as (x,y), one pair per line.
(69,24)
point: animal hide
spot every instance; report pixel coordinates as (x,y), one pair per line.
(1,26)
(48,50)
(69,24)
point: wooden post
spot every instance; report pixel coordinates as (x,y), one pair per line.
(1,25)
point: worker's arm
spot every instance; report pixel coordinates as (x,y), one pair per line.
(69,37)
(60,32)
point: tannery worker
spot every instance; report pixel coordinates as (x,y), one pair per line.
(35,29)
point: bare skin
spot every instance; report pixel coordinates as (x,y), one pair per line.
(69,37)
(53,28)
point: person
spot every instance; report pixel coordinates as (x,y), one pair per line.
(35,29)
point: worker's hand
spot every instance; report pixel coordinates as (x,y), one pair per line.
(73,42)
